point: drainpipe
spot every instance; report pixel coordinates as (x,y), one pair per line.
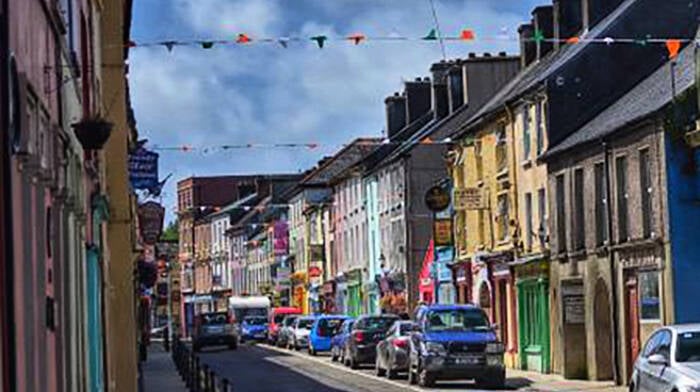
(611,260)
(8,380)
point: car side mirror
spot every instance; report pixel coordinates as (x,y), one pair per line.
(658,359)
(495,327)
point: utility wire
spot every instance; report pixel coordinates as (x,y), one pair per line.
(439,33)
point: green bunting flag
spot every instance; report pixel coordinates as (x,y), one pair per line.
(432,35)
(169,45)
(539,36)
(320,40)
(207,44)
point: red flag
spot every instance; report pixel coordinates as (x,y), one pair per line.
(467,35)
(673,46)
(243,39)
(357,38)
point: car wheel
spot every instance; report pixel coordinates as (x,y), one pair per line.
(392,374)
(312,352)
(353,363)
(378,369)
(426,379)
(494,382)
(334,356)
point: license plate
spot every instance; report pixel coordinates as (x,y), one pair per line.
(467,360)
(259,335)
(216,329)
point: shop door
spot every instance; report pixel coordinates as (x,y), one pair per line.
(603,332)
(502,317)
(632,320)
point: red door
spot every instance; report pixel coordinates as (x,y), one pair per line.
(632,322)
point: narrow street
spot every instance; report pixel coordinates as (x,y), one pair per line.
(262,368)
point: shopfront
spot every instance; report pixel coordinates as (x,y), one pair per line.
(341,291)
(462,281)
(354,289)
(445,289)
(328,298)
(299,291)
(532,282)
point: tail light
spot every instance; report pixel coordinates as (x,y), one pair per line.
(400,343)
(359,336)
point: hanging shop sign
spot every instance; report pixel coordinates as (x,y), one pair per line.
(143,169)
(442,232)
(281,238)
(314,271)
(316,252)
(469,199)
(150,215)
(437,198)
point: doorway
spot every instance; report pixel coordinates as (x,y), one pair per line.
(603,332)
(632,320)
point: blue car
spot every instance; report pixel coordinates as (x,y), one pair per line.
(454,342)
(323,330)
(254,328)
(338,340)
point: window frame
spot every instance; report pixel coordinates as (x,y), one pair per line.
(646,189)
(622,198)
(561,213)
(527,132)
(579,205)
(641,295)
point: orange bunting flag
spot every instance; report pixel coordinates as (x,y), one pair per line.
(467,35)
(312,146)
(427,140)
(573,40)
(357,38)
(186,148)
(243,39)
(673,46)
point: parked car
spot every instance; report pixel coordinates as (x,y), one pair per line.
(367,331)
(338,340)
(323,330)
(670,361)
(213,329)
(285,331)
(300,332)
(277,315)
(392,352)
(254,328)
(455,342)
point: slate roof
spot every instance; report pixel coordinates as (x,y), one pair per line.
(539,71)
(649,97)
(347,157)
(235,206)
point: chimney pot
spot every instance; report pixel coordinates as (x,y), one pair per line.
(472,55)
(487,54)
(418,79)
(502,54)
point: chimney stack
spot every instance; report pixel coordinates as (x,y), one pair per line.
(418,97)
(543,20)
(455,86)
(527,45)
(596,10)
(395,114)
(568,19)
(439,98)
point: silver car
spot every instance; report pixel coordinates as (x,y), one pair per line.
(670,361)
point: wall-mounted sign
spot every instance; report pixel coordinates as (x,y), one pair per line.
(316,253)
(437,198)
(143,169)
(150,216)
(314,272)
(469,199)
(442,232)
(573,302)
(281,238)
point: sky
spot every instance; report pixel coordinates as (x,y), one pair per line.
(263,93)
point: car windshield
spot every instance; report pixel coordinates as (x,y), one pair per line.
(278,318)
(306,323)
(289,320)
(406,328)
(456,319)
(688,347)
(255,320)
(375,323)
(214,318)
(329,326)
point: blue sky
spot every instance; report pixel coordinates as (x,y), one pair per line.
(265,94)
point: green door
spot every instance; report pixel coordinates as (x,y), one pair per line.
(533,324)
(354,300)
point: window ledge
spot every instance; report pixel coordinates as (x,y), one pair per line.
(526,164)
(562,257)
(502,173)
(578,254)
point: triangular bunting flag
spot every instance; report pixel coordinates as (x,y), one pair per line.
(207,44)
(427,140)
(169,45)
(283,41)
(357,38)
(608,40)
(320,40)
(243,39)
(312,146)
(467,35)
(432,35)
(673,46)
(573,40)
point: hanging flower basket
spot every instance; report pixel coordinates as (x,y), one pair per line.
(93,132)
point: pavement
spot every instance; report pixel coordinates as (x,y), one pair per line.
(159,372)
(262,368)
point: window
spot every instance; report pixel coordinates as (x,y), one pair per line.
(501,149)
(649,303)
(542,210)
(601,213)
(528,221)
(479,161)
(561,215)
(622,195)
(688,347)
(526,132)
(503,219)
(481,228)
(645,191)
(539,125)
(579,211)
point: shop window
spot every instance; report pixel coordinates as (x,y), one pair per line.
(649,301)
(601,213)
(528,221)
(479,161)
(542,215)
(501,149)
(503,217)
(540,108)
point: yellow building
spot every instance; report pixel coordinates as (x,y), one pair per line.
(484,174)
(120,301)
